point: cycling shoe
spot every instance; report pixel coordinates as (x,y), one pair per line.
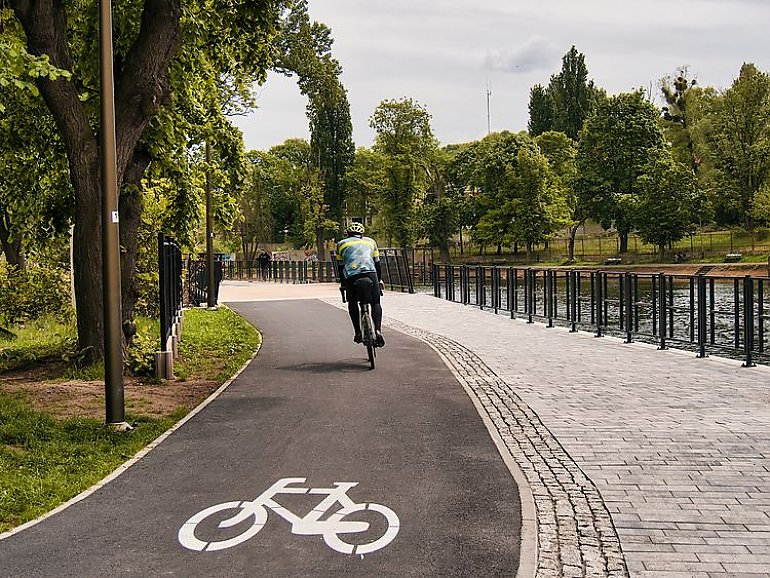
(357,338)
(380,341)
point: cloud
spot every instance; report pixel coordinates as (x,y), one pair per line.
(537,53)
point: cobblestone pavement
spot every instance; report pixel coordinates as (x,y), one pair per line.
(676,449)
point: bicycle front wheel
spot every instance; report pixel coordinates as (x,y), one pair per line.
(246,510)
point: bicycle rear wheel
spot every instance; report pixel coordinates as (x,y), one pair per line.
(372,355)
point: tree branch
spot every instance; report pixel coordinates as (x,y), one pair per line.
(142,85)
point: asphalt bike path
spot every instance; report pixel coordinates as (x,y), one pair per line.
(309,464)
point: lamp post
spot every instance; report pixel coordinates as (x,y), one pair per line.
(210,301)
(113,338)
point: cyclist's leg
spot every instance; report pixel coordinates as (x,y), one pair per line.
(377,309)
(355,316)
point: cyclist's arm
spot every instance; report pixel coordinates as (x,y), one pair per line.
(340,267)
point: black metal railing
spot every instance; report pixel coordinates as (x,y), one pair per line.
(396,271)
(169,285)
(198,281)
(703,313)
(280,271)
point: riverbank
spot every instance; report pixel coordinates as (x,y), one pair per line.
(711,269)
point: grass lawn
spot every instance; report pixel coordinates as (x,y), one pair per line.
(46,457)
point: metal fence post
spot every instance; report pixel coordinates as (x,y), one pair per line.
(702,328)
(629,308)
(599,303)
(529,293)
(575,303)
(549,275)
(662,311)
(748,319)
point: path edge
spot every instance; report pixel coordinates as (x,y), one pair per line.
(529,547)
(138,456)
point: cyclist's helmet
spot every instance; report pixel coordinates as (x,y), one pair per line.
(355,229)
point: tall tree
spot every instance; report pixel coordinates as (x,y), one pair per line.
(573,95)
(679,114)
(405,139)
(666,205)
(519,198)
(561,151)
(229,41)
(306,51)
(617,143)
(366,183)
(740,141)
(541,110)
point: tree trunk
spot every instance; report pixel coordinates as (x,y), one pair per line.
(443,251)
(140,89)
(623,241)
(499,249)
(661,252)
(320,245)
(11,247)
(572,234)
(130,206)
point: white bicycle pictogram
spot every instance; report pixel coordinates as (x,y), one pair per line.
(309,525)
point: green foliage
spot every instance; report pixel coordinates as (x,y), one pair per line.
(45,338)
(616,145)
(406,142)
(305,50)
(568,100)
(367,180)
(541,110)
(519,197)
(140,355)
(665,209)
(18,68)
(33,292)
(36,200)
(740,142)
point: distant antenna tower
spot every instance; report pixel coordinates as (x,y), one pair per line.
(489,114)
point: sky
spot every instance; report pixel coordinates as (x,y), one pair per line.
(446,55)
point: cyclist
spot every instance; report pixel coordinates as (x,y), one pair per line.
(358,258)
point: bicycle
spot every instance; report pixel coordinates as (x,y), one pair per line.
(368,333)
(309,525)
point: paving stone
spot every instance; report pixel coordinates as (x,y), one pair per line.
(678,446)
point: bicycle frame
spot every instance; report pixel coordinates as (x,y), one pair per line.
(309,524)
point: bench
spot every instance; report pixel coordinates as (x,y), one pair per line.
(733,257)
(612,261)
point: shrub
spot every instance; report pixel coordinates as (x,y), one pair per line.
(140,355)
(33,292)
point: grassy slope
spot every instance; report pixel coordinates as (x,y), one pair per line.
(45,461)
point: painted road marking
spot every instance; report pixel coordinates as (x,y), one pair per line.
(311,524)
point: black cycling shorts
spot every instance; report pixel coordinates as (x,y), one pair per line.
(363,287)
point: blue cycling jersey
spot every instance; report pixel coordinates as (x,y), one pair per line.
(358,255)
